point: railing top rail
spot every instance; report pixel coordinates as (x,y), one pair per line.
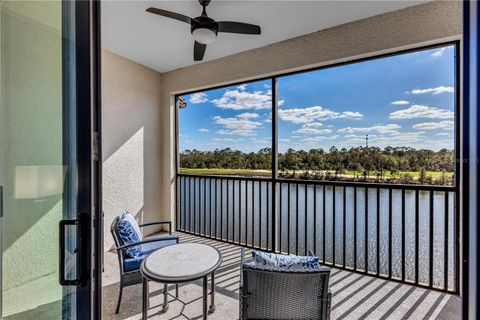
(327,183)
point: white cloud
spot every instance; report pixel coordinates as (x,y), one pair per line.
(248,115)
(312,131)
(351,114)
(387,128)
(437,90)
(240,99)
(439,52)
(443,125)
(320,138)
(315,113)
(443,134)
(237,126)
(312,128)
(400,102)
(419,111)
(204,130)
(226,140)
(242,87)
(312,125)
(199,97)
(237,132)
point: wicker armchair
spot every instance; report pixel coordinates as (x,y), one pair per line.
(271,293)
(130,267)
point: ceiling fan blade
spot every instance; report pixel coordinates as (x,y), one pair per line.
(199,51)
(238,27)
(170,14)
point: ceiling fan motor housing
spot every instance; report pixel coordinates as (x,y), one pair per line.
(205,23)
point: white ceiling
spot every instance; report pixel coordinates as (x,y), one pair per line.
(164,44)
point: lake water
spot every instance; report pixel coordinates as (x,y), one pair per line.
(241,211)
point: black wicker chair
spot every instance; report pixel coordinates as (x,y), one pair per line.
(130,267)
(272,293)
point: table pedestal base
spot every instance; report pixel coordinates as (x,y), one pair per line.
(206,309)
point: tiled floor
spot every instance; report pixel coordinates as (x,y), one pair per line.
(354,296)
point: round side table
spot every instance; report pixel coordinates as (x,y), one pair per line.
(181,263)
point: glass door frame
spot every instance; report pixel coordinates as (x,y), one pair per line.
(82,132)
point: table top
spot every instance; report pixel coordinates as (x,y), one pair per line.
(181,262)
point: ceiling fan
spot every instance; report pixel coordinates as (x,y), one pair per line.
(204,29)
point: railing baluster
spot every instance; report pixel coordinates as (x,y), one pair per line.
(403,234)
(195,211)
(184,204)
(354,228)
(210,207)
(268,214)
(233,211)
(253,213)
(430,255)
(246,213)
(288,222)
(417,235)
(334,213)
(221,208)
(296,218)
(216,207)
(260,215)
(445,248)
(239,212)
(324,225)
(205,206)
(280,212)
(344,233)
(306,220)
(189,205)
(315,219)
(378,231)
(228,210)
(390,231)
(177,201)
(366,229)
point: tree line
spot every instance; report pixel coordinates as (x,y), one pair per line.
(357,161)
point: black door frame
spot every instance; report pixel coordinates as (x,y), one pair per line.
(470,159)
(82,132)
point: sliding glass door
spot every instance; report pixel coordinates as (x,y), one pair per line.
(46,160)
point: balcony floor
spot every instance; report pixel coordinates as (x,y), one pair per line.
(354,296)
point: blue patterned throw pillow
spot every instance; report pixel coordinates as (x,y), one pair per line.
(129,233)
(291,263)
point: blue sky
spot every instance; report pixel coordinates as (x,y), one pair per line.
(404,100)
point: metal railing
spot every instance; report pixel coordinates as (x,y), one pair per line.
(405,233)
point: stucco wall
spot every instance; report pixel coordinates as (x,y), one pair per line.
(414,26)
(132,123)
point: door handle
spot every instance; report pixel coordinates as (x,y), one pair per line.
(63,280)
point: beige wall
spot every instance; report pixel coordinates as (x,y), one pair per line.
(132,155)
(412,27)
